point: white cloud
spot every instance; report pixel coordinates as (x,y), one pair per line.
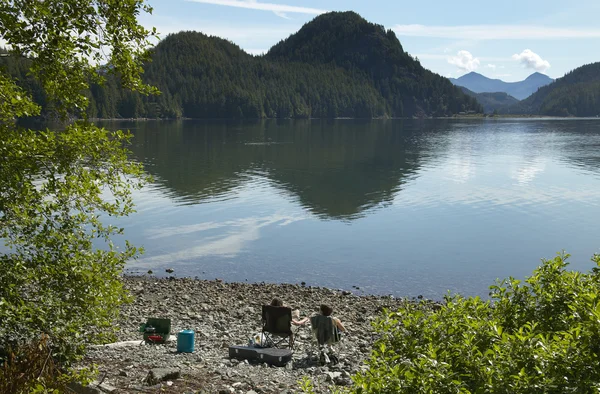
(278,9)
(465,61)
(245,35)
(495,32)
(532,60)
(281,14)
(492,66)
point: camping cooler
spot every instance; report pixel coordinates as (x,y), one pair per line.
(185,341)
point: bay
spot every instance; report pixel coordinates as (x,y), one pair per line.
(402,207)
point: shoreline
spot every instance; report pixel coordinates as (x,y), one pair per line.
(464,116)
(224,314)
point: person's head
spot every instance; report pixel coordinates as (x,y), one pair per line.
(326,310)
(276,302)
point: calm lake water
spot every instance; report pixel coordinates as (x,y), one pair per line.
(392,206)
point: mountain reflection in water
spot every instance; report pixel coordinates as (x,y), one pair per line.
(393,206)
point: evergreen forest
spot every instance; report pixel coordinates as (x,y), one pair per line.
(337,65)
(575,94)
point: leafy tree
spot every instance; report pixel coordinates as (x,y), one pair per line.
(55,280)
(541,336)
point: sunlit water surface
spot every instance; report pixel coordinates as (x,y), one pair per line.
(391,206)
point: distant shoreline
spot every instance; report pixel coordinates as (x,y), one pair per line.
(473,116)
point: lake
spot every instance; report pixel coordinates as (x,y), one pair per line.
(402,207)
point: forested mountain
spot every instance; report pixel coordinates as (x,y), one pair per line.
(492,102)
(208,77)
(575,94)
(338,65)
(478,83)
(367,50)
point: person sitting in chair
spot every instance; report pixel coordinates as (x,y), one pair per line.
(295,314)
(326,310)
(327,331)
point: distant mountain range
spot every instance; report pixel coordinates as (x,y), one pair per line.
(491,102)
(478,83)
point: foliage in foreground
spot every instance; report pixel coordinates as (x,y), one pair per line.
(541,336)
(59,270)
(34,370)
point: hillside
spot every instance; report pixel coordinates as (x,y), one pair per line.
(478,83)
(491,102)
(337,65)
(575,94)
(208,77)
(368,50)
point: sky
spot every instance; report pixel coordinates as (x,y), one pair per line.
(507,39)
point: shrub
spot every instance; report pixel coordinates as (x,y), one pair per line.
(32,369)
(537,336)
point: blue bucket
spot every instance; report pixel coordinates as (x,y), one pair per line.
(185,341)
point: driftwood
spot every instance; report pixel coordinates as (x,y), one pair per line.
(127,343)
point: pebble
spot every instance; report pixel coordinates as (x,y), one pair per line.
(223,314)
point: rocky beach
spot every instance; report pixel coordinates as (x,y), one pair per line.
(224,314)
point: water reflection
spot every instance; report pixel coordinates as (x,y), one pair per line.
(336,169)
(341,169)
(230,239)
(411,207)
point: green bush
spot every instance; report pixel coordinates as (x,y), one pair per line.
(32,369)
(537,336)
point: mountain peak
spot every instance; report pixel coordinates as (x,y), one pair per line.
(474,76)
(538,76)
(346,39)
(481,84)
(339,14)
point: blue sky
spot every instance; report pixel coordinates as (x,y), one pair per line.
(500,39)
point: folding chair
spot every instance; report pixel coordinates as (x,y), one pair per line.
(277,322)
(326,333)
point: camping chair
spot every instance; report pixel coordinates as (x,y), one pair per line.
(326,333)
(277,322)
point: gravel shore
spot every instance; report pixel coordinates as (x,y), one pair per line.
(224,314)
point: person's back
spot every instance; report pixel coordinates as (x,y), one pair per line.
(326,310)
(326,329)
